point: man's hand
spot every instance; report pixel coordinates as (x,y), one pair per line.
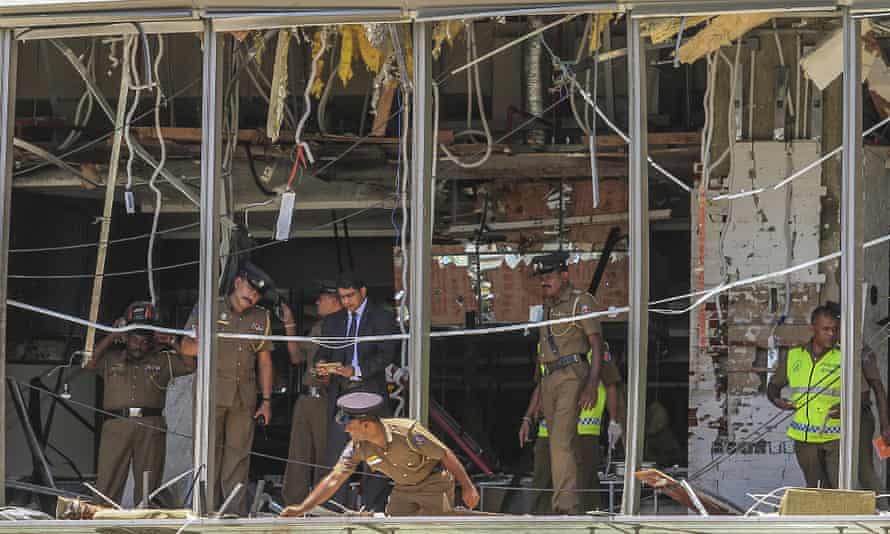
(524,430)
(470,496)
(265,411)
(588,397)
(294,510)
(784,404)
(835,412)
(885,433)
(346,371)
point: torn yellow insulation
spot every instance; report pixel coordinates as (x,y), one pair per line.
(344,69)
(720,32)
(278,89)
(372,57)
(600,23)
(259,43)
(409,55)
(318,84)
(445,32)
(662,30)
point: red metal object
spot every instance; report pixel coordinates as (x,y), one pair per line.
(463,440)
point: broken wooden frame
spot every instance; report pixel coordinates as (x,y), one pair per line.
(100,22)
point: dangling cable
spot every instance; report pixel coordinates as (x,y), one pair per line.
(489,142)
(151,183)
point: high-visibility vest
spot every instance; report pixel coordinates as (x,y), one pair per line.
(590,420)
(815,389)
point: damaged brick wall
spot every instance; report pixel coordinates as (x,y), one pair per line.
(728,358)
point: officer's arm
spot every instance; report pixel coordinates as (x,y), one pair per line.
(588,397)
(534,407)
(100,349)
(266,372)
(469,494)
(323,491)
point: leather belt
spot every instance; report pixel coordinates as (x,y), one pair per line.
(138,412)
(562,363)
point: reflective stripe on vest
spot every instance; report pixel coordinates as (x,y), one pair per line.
(815,389)
(590,420)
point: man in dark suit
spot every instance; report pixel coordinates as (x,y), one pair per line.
(361,367)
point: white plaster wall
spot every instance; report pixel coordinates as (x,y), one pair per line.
(754,244)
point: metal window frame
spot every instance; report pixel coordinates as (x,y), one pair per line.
(217,22)
(638,283)
(8,71)
(852,230)
(208,283)
(422,197)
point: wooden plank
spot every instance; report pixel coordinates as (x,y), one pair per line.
(655,139)
(257,136)
(720,32)
(384,106)
(533,166)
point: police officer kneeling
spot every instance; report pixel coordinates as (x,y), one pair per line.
(422,468)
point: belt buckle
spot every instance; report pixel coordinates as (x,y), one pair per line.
(314,392)
(134,412)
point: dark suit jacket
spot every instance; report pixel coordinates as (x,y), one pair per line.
(373,356)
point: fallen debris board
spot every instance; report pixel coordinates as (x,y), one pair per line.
(720,32)
(673,489)
(819,501)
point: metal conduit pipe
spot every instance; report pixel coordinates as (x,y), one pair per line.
(534,83)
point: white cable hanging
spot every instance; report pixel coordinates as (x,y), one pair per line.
(154,176)
(473,75)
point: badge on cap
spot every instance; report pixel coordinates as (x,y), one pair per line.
(419,440)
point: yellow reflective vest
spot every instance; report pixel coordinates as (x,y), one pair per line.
(590,420)
(815,389)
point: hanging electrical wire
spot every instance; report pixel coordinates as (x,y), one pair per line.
(81,117)
(154,176)
(473,79)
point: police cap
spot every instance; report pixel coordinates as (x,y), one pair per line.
(358,405)
(549,263)
(327,287)
(256,277)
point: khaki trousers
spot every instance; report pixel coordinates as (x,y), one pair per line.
(589,462)
(308,444)
(123,442)
(234,440)
(434,496)
(819,462)
(560,391)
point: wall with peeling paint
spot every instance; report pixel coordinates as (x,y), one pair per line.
(729,365)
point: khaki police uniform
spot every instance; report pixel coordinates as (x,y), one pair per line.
(589,454)
(561,388)
(236,390)
(309,428)
(135,391)
(412,458)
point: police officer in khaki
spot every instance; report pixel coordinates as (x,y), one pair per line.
(240,364)
(422,468)
(136,379)
(568,383)
(589,428)
(309,428)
